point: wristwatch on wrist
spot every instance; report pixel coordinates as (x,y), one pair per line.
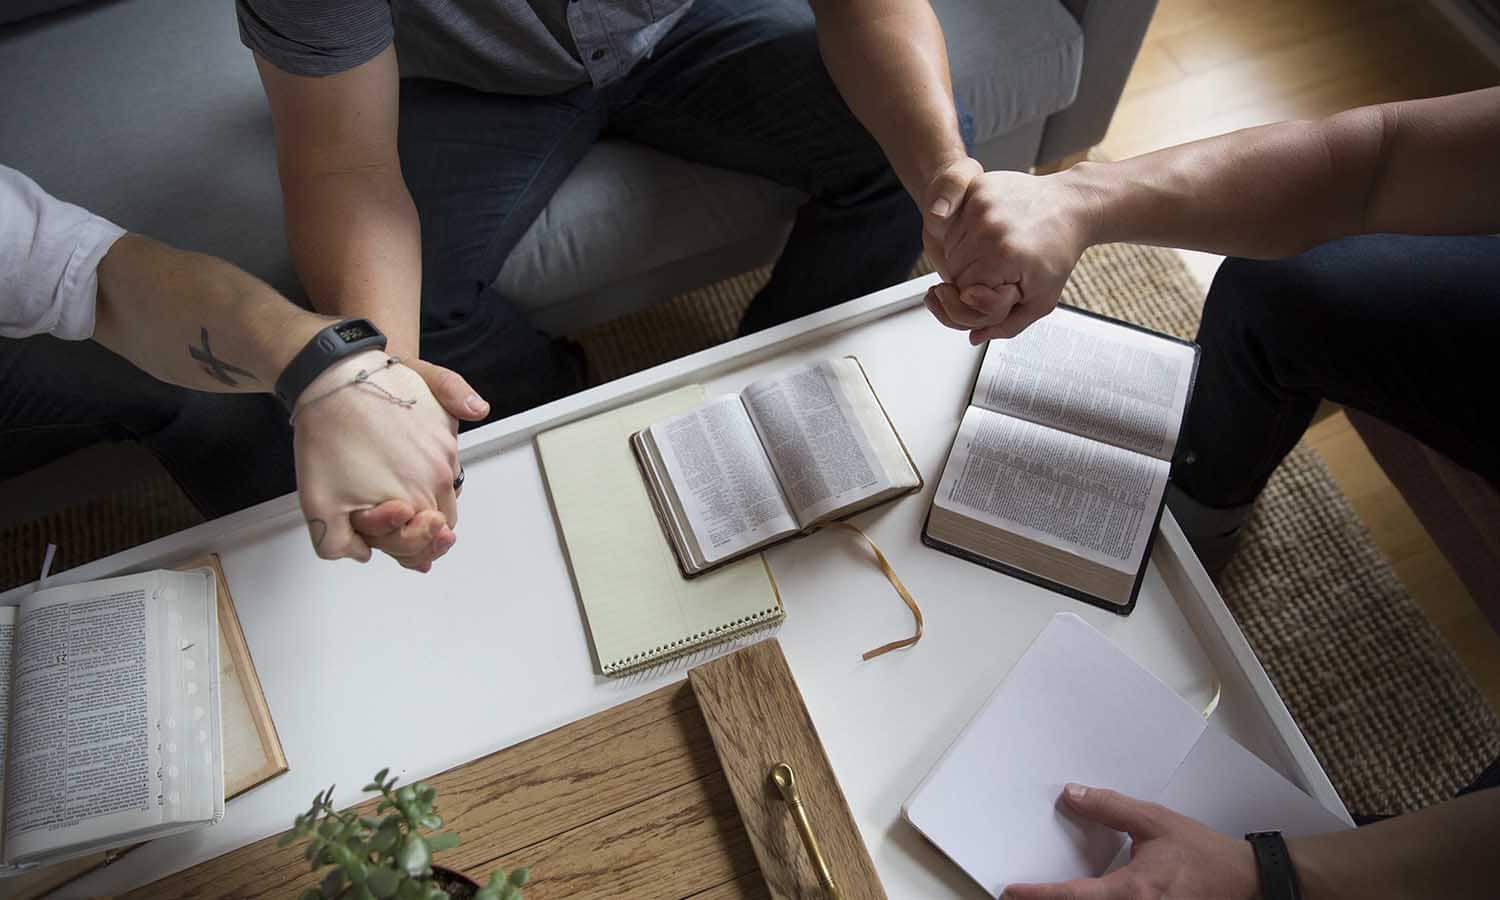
(1278,880)
(338,341)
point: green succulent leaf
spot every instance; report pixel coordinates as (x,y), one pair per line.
(519,877)
(384,840)
(363,893)
(311,894)
(487,893)
(415,856)
(406,794)
(437,843)
(380,776)
(331,884)
(510,892)
(437,893)
(431,821)
(383,882)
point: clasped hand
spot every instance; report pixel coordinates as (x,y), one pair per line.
(1004,244)
(376,462)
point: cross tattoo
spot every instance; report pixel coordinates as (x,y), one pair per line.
(218,368)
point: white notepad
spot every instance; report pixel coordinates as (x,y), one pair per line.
(640,609)
(1075,708)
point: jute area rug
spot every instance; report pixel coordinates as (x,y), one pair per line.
(1387,706)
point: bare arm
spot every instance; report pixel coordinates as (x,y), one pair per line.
(195,320)
(1421,166)
(889,62)
(350,220)
(1446,850)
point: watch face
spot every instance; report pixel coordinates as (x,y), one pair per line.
(356,330)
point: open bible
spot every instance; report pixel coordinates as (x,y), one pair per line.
(784,455)
(1059,471)
(109,715)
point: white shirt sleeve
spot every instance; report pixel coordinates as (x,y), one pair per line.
(49,261)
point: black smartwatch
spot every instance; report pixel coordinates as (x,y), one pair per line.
(1278,880)
(338,341)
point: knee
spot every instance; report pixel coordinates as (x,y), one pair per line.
(1300,301)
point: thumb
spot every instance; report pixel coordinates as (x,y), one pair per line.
(1112,809)
(334,538)
(453,393)
(945,192)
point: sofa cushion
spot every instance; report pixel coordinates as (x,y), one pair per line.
(628,209)
(150,113)
(16,10)
(1013,62)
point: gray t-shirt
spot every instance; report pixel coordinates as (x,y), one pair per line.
(533,47)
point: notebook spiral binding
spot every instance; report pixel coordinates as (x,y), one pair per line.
(675,650)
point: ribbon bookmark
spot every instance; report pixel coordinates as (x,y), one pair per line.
(895,580)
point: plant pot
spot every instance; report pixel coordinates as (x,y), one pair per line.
(458,885)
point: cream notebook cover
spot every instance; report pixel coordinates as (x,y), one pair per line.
(640,609)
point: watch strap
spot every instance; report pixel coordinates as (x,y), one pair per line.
(336,342)
(1273,863)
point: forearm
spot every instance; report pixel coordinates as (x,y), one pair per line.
(195,320)
(889,62)
(357,246)
(1445,851)
(1279,189)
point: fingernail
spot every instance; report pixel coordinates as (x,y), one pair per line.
(941,207)
(476,405)
(1076,791)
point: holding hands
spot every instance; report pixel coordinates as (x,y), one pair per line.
(377,462)
(1004,244)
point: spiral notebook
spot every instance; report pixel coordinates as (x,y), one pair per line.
(641,611)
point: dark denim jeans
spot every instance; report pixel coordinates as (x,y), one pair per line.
(735,84)
(226,451)
(1405,328)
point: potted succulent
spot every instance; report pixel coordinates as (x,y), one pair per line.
(389,857)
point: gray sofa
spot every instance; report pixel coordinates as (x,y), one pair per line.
(150,113)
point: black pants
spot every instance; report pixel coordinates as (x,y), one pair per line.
(226,451)
(1404,328)
(738,84)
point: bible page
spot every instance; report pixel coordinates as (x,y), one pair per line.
(1092,499)
(7,656)
(817,439)
(721,476)
(1091,377)
(82,763)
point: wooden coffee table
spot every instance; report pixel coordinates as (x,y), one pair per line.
(492,644)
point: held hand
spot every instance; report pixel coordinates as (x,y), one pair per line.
(416,539)
(358,446)
(1009,252)
(1172,857)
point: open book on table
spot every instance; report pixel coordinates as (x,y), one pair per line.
(109,715)
(786,454)
(1059,470)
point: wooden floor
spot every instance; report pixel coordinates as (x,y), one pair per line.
(1210,66)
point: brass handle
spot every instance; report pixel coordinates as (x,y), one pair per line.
(786,782)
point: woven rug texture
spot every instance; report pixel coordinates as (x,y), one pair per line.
(1385,703)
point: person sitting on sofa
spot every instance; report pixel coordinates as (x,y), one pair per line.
(373,453)
(418,141)
(1364,272)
